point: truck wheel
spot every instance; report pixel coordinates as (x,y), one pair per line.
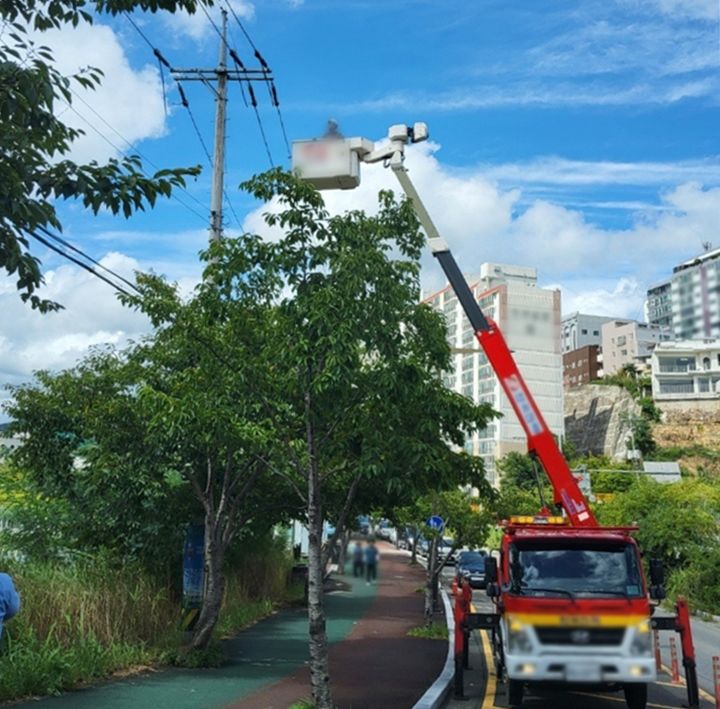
(636,695)
(515,693)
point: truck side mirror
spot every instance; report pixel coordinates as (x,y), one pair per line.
(490,570)
(657,579)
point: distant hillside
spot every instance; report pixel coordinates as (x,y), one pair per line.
(4,426)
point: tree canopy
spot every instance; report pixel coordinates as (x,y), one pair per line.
(35,170)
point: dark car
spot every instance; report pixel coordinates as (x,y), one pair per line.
(471,566)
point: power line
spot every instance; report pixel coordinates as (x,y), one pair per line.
(82,265)
(242,28)
(134,148)
(122,152)
(140,32)
(186,104)
(70,246)
(254,104)
(276,103)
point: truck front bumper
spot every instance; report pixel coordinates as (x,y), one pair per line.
(580,668)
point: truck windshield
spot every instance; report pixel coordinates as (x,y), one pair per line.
(599,569)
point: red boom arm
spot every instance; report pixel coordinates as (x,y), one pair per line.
(566,491)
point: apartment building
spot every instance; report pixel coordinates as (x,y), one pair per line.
(529,317)
(581,366)
(629,342)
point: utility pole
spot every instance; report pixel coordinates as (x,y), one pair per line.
(218,182)
(220,76)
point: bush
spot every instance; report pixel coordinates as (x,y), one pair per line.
(698,581)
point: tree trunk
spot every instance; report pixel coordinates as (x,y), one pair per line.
(214,557)
(429,582)
(342,552)
(319,669)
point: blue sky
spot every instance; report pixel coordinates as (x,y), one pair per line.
(577,136)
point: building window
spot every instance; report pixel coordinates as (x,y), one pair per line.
(676,386)
(584,332)
(596,332)
(706,363)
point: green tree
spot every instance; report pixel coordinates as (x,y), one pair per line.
(182,416)
(676,521)
(467,522)
(357,365)
(34,142)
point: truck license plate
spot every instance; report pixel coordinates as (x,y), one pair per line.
(583,672)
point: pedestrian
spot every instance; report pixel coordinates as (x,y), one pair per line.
(358,564)
(9,599)
(371,560)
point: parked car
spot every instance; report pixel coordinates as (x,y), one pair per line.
(471,566)
(423,546)
(444,547)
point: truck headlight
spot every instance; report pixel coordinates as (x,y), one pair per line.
(518,637)
(642,640)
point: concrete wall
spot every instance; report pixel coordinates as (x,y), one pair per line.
(594,419)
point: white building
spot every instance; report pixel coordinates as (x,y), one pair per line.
(579,330)
(687,371)
(629,342)
(529,317)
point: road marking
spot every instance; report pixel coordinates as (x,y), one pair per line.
(705,695)
(617,699)
(491,684)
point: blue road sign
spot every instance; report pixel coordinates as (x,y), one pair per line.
(436,522)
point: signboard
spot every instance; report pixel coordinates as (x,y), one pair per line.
(194,566)
(662,472)
(582,478)
(436,522)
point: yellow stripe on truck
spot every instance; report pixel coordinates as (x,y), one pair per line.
(585,621)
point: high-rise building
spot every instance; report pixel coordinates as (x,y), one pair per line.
(529,317)
(696,297)
(658,305)
(689,301)
(580,330)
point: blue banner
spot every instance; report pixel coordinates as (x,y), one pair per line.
(194,566)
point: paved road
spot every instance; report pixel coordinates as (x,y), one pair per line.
(485,692)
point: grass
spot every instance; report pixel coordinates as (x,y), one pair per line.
(83,621)
(302,704)
(435,632)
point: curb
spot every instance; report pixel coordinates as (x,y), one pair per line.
(438,691)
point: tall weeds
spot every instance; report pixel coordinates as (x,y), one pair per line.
(84,620)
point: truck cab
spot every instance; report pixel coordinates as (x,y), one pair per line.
(573,607)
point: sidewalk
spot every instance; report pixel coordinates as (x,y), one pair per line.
(377,666)
(373,662)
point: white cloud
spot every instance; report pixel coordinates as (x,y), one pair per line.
(622,298)
(92,316)
(553,170)
(484,222)
(130,100)
(693,9)
(198,27)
